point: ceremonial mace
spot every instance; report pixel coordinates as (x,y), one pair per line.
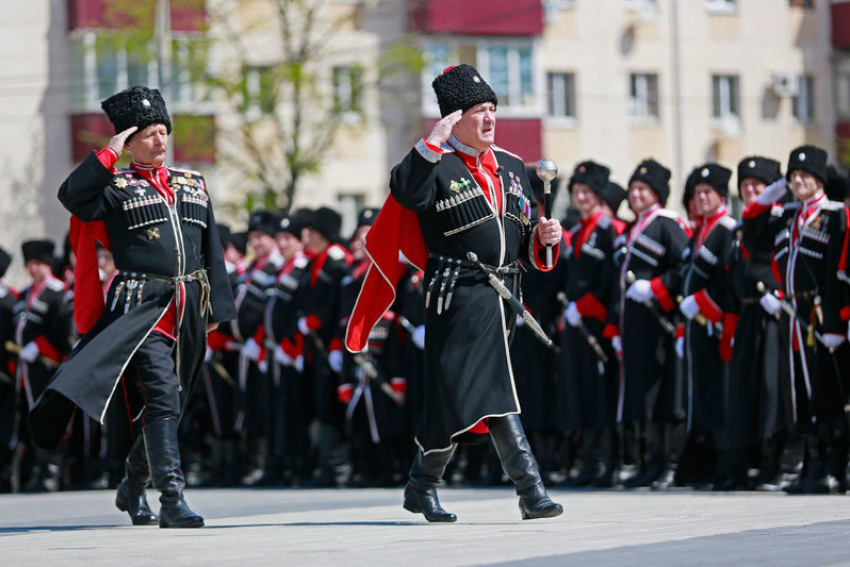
(547,171)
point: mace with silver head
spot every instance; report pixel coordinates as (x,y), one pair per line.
(547,171)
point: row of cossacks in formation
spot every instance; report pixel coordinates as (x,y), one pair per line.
(703,351)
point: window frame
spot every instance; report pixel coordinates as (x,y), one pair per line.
(570,98)
(805,100)
(635,102)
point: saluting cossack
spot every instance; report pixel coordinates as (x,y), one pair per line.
(160,227)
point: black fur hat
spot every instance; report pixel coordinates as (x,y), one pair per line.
(292,224)
(461,87)
(810,159)
(136,106)
(367,217)
(5,260)
(656,176)
(837,186)
(713,174)
(690,187)
(240,241)
(263,221)
(591,174)
(41,250)
(764,169)
(613,195)
(326,221)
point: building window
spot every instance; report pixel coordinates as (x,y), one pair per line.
(724,97)
(348,89)
(646,9)
(644,96)
(508,69)
(561,88)
(804,101)
(721,6)
(260,93)
(843,92)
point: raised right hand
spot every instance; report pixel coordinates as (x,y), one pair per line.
(118,140)
(443,129)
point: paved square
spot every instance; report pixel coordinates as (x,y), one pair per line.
(369,527)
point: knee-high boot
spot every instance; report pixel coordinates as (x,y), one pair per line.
(167,476)
(521,467)
(420,494)
(131,496)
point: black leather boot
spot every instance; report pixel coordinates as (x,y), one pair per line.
(521,467)
(420,494)
(131,496)
(164,461)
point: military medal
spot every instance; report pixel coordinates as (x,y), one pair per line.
(120,182)
(455,186)
(153,233)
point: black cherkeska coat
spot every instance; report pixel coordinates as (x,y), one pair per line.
(648,389)
(467,362)
(150,237)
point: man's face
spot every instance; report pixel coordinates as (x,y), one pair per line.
(232,254)
(150,145)
(289,244)
(477,127)
(38,270)
(707,199)
(750,189)
(586,199)
(641,196)
(804,185)
(261,243)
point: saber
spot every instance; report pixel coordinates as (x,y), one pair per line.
(373,374)
(591,340)
(791,311)
(513,302)
(406,324)
(649,304)
(15,349)
(547,171)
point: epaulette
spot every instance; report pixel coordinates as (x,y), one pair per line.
(667,213)
(181,170)
(504,151)
(336,253)
(728,223)
(792,206)
(832,205)
(56,285)
(604,222)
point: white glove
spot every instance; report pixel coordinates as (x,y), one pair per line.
(263,365)
(617,343)
(299,363)
(774,192)
(335,360)
(519,321)
(302,326)
(208,354)
(689,307)
(680,347)
(281,357)
(640,291)
(572,315)
(770,303)
(251,350)
(29,353)
(418,337)
(832,341)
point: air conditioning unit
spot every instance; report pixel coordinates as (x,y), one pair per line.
(784,84)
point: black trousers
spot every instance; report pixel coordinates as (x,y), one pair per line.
(156,378)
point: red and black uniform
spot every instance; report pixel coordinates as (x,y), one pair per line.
(705,280)
(8,393)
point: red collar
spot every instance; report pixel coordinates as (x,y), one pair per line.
(588,225)
(156,176)
(707,224)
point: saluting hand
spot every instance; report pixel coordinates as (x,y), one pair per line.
(118,140)
(549,231)
(443,129)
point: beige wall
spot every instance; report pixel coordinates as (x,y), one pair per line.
(603,42)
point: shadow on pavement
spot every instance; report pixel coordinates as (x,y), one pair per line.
(13,530)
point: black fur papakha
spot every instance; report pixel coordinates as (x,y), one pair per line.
(136,106)
(460,88)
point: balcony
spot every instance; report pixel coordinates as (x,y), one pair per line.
(186,15)
(518,18)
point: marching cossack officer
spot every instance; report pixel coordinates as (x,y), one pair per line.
(146,344)
(456,193)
